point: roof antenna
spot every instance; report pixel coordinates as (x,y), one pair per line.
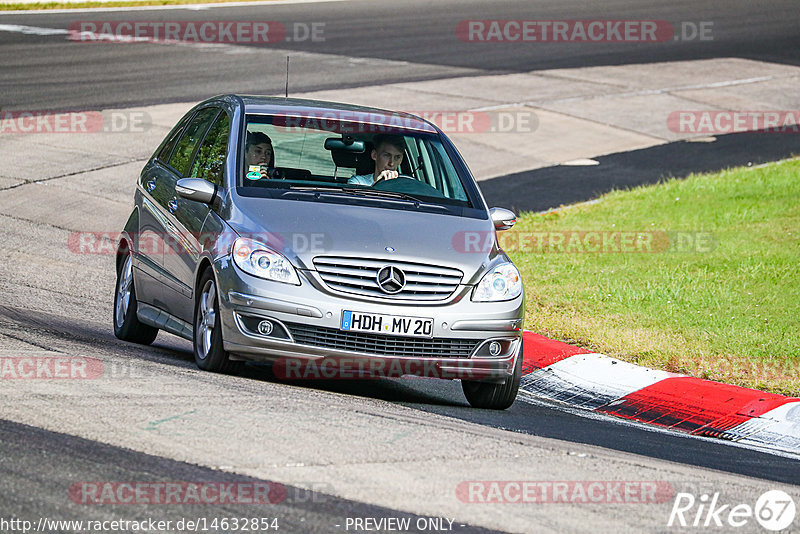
(287,76)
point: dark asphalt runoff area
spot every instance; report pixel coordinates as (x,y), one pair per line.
(550,187)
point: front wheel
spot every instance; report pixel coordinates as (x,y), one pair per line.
(209,353)
(127,326)
(495,396)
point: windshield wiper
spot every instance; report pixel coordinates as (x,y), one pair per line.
(357,191)
(380,193)
(392,195)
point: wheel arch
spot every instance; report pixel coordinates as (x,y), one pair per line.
(126,241)
(202,265)
(124,246)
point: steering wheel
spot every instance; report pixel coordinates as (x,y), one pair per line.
(275,173)
(409,185)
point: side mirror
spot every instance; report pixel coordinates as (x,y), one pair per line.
(196,189)
(502,218)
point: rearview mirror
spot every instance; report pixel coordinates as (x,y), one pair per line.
(502,218)
(196,189)
(347,143)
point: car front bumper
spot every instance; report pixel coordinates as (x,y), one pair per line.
(306,339)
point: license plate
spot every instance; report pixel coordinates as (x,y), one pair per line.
(394,325)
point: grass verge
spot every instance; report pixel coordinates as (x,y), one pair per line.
(699,276)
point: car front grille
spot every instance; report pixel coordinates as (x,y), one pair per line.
(359,276)
(382,345)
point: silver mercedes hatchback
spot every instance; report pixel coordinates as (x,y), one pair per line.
(334,241)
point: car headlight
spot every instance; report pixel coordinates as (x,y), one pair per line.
(501,283)
(260,260)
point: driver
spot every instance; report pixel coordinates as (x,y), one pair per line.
(388,155)
(258,152)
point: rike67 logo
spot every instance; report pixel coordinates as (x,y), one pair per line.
(774,510)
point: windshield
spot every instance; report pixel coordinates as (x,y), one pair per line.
(346,157)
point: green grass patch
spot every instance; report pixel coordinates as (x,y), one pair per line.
(699,276)
(113,3)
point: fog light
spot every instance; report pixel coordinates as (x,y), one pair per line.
(265,328)
(494,348)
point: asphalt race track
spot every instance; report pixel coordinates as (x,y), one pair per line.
(333,449)
(393,40)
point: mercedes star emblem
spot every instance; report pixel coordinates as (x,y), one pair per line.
(391,279)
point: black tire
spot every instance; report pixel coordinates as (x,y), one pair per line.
(209,352)
(127,326)
(495,396)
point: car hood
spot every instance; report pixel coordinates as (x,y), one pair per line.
(304,230)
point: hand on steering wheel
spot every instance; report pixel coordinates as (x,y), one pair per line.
(387,175)
(271,173)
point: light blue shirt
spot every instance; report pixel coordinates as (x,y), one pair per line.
(361,179)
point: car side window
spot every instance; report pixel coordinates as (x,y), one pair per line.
(209,164)
(171,140)
(182,155)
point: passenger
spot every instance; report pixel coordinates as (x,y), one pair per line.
(388,155)
(258,152)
